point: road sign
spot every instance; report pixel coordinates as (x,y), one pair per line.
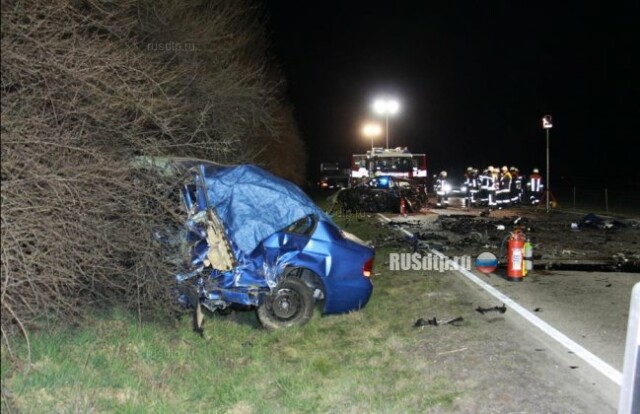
(547,122)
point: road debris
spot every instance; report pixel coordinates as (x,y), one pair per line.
(501,309)
(434,322)
(592,220)
(587,248)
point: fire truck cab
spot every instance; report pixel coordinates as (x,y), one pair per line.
(396,162)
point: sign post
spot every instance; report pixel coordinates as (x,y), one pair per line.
(547,124)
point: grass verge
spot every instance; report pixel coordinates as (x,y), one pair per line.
(348,363)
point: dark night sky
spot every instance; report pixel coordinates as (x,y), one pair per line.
(473,78)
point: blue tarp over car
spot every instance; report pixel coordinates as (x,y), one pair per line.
(253,203)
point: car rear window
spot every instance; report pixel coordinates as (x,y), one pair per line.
(304,226)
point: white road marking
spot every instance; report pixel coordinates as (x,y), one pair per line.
(606,369)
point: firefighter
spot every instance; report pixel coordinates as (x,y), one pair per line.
(441,188)
(483,193)
(476,187)
(516,186)
(473,186)
(469,183)
(504,188)
(534,187)
(492,182)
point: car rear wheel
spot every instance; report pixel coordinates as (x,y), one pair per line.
(289,304)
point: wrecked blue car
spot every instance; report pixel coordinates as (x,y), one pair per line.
(257,240)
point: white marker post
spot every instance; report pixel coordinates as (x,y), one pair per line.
(547,124)
(630,390)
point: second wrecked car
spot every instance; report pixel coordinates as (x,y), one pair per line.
(381,194)
(257,240)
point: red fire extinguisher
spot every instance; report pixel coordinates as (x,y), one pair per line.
(515,259)
(403,208)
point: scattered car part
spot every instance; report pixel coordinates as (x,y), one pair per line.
(501,309)
(434,322)
(592,220)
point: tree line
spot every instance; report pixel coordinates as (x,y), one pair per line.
(86,86)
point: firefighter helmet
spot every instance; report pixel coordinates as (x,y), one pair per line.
(513,169)
(535,171)
(490,168)
(469,168)
(443,173)
(504,168)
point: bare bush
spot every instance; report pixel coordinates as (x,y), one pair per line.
(86,85)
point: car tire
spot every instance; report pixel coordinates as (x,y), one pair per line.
(289,304)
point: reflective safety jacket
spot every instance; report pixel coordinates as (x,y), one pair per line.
(439,185)
(517,179)
(471,181)
(493,181)
(485,180)
(535,183)
(505,182)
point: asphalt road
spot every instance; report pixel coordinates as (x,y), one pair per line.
(591,308)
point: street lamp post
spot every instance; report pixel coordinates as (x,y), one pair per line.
(547,124)
(386,107)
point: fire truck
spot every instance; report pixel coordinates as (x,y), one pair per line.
(396,162)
